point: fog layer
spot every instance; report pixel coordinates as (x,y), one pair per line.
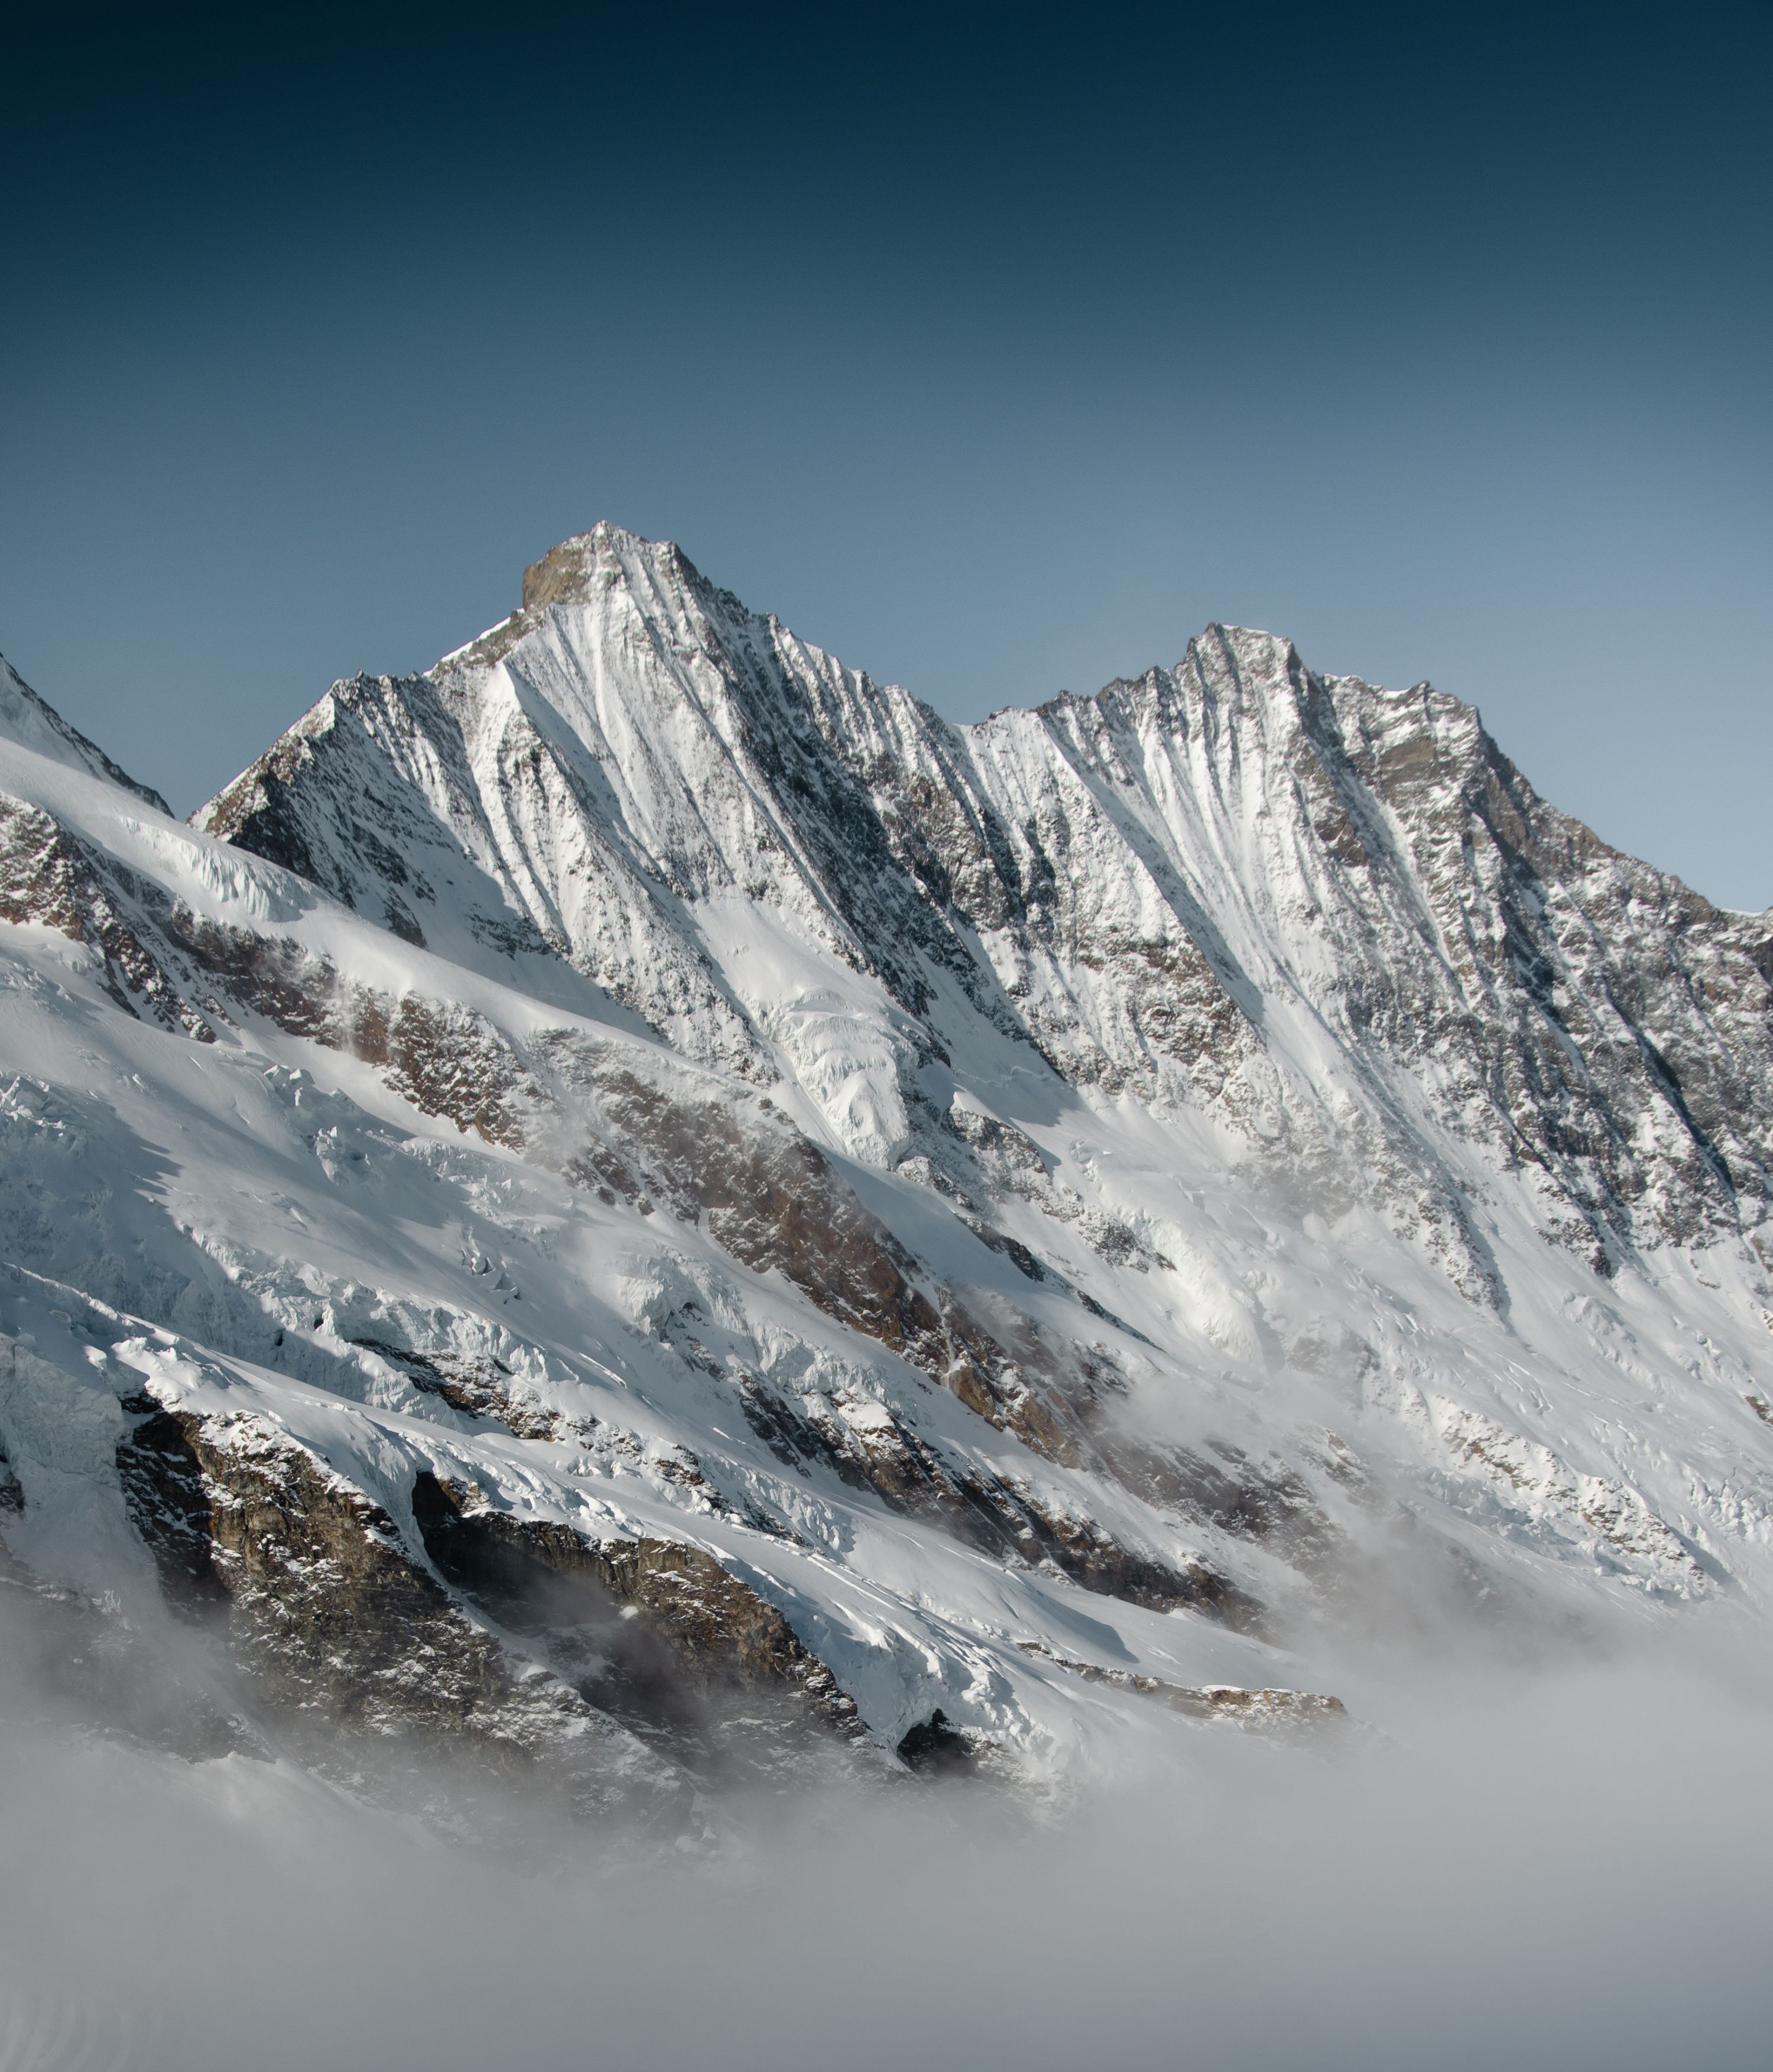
(1561,1867)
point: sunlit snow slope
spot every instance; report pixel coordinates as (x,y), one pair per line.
(641,1208)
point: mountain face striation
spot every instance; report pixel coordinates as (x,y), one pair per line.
(638,1209)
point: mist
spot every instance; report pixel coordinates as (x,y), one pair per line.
(1554,1862)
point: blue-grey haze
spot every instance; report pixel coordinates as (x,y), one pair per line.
(995,352)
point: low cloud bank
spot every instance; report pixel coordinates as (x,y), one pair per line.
(1559,1867)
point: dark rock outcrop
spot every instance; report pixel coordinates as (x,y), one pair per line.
(344,1640)
(654,1632)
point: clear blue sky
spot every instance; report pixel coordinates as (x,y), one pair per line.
(997,351)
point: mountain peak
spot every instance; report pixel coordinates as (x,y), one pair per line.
(568,574)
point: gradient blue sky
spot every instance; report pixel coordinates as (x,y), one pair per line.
(997,351)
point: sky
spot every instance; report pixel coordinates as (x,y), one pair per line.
(997,351)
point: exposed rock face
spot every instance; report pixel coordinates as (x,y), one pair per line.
(348,1642)
(935,1748)
(652,1631)
(327,1610)
(658,1209)
(48,877)
(1263,1709)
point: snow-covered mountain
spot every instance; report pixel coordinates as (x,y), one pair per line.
(640,1208)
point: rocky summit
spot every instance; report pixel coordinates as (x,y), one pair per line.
(640,1211)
